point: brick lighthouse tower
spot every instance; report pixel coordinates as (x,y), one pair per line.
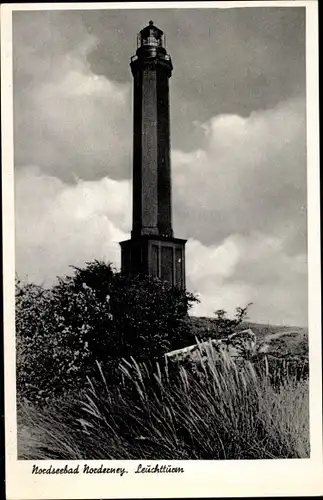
(152,249)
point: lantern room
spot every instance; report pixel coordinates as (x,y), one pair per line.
(151,36)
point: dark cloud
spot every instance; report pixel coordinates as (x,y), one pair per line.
(226,61)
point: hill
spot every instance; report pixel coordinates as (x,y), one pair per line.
(273,339)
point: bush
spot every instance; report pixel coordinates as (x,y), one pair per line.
(219,326)
(96,314)
(224,326)
(228,413)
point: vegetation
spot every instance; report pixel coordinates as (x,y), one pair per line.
(95,315)
(224,413)
(296,337)
(93,382)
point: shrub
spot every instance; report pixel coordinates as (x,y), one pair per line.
(224,326)
(96,314)
(218,327)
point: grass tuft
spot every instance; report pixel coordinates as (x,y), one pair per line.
(223,410)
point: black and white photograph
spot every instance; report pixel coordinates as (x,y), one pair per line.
(159,301)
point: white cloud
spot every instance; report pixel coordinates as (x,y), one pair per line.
(242,196)
(203,260)
(250,173)
(245,269)
(58,225)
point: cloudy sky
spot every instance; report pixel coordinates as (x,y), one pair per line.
(238,96)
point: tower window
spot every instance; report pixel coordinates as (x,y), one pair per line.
(179,267)
(167,264)
(155,261)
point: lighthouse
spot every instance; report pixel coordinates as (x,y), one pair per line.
(152,249)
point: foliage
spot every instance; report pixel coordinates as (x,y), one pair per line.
(205,328)
(70,340)
(224,326)
(96,314)
(228,412)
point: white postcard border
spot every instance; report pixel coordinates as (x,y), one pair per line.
(201,478)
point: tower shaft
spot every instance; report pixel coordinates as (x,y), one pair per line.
(152,213)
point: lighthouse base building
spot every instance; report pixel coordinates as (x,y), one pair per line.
(160,257)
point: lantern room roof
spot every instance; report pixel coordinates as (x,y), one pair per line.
(151,30)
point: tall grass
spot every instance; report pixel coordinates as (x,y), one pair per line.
(222,411)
